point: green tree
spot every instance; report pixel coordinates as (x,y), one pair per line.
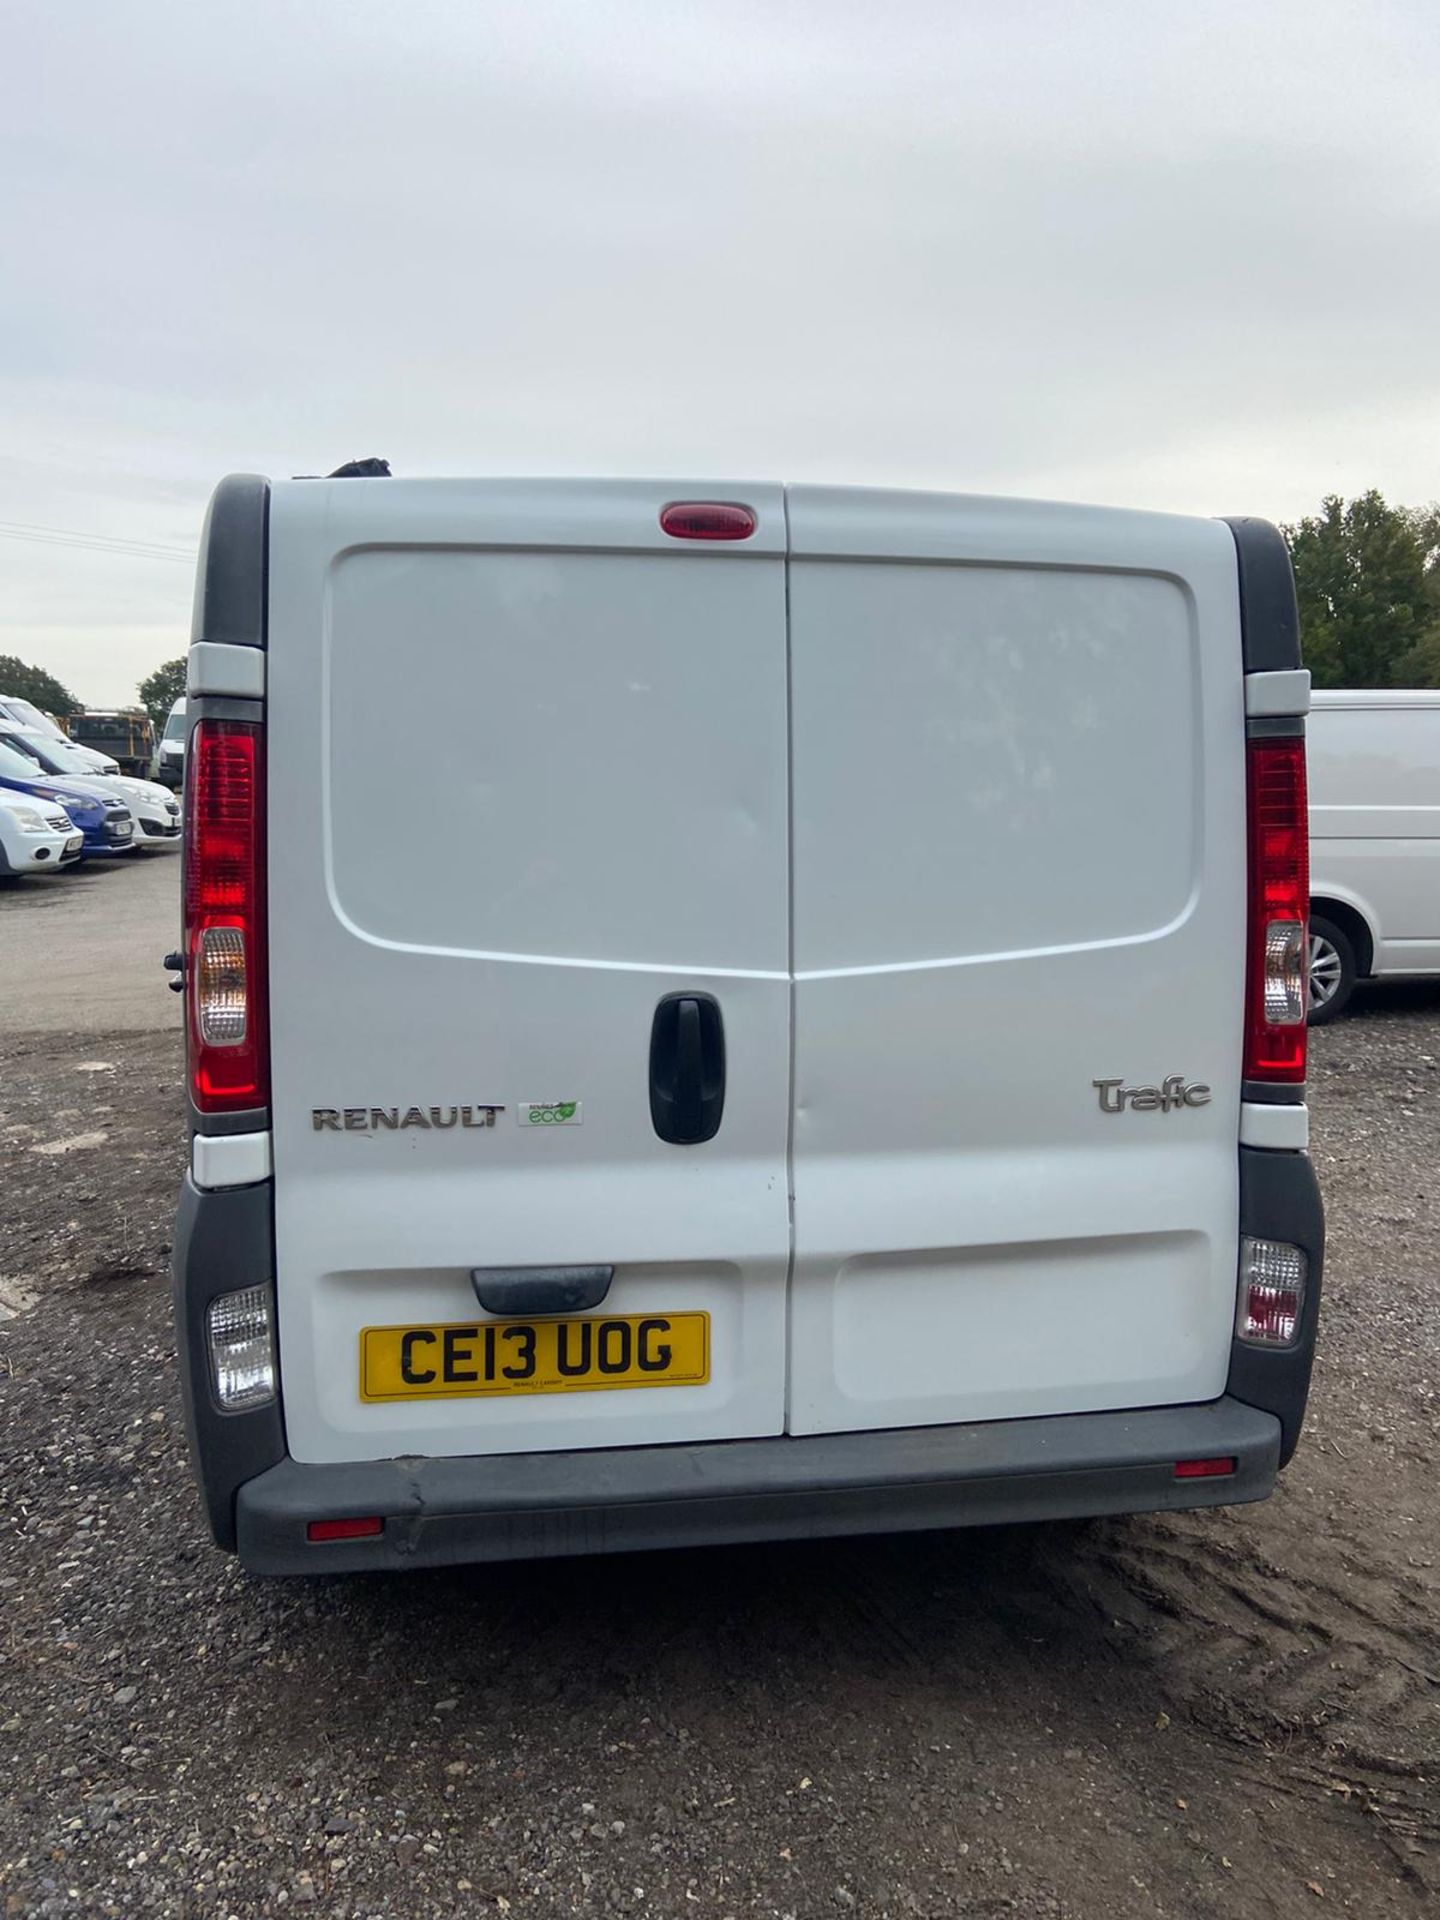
(33,683)
(161,689)
(1369,593)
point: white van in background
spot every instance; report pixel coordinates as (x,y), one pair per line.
(168,766)
(24,713)
(1374,841)
(840,1070)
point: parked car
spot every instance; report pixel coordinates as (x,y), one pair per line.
(168,766)
(105,824)
(1374,841)
(35,835)
(126,733)
(155,810)
(24,713)
(820,1092)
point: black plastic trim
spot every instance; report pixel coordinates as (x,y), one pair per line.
(522,1291)
(231,578)
(541,1505)
(223,1240)
(1280,1200)
(242,1120)
(221,706)
(1275,726)
(1269,617)
(1267,1093)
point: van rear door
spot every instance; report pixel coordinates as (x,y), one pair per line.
(527,777)
(1019,818)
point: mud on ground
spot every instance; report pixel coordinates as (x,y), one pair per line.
(1234,1712)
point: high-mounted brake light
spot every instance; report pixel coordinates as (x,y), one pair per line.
(225,916)
(707,520)
(1279,846)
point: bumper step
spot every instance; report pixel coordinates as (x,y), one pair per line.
(545,1505)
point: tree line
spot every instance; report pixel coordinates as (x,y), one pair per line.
(158,691)
(1367,578)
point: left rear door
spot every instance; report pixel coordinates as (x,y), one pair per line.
(527,777)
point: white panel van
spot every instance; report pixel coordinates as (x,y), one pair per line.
(841,1067)
(1374,841)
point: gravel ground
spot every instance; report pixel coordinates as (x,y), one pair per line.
(1229,1713)
(105,920)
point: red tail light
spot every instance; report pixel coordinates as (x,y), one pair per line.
(225,916)
(1276,982)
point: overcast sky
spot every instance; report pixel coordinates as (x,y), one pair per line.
(1184,256)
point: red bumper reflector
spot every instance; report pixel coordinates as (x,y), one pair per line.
(345,1529)
(707,520)
(1204,1469)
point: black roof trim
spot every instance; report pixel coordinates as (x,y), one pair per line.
(1269,618)
(230,586)
(371,469)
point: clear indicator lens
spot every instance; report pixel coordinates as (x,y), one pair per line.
(220,997)
(1285,973)
(1272,1292)
(242,1350)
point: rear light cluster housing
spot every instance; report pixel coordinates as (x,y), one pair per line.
(1273,1277)
(240,1334)
(225,917)
(1276,986)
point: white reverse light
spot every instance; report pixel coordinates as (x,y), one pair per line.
(1272,1292)
(242,1348)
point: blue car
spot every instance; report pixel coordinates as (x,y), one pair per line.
(106,824)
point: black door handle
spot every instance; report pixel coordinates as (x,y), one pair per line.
(517,1292)
(687,1068)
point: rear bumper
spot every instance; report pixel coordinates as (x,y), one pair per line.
(440,1512)
(542,1505)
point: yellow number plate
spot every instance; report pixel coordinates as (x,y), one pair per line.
(534,1356)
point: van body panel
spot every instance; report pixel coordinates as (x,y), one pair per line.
(1374,772)
(1018,870)
(594,718)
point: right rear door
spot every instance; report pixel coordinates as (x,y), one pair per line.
(1017,867)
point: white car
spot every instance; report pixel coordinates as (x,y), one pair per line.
(35,834)
(24,713)
(156,810)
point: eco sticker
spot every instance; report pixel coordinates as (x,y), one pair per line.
(548,1113)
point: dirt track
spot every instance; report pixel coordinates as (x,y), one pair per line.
(1228,1713)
